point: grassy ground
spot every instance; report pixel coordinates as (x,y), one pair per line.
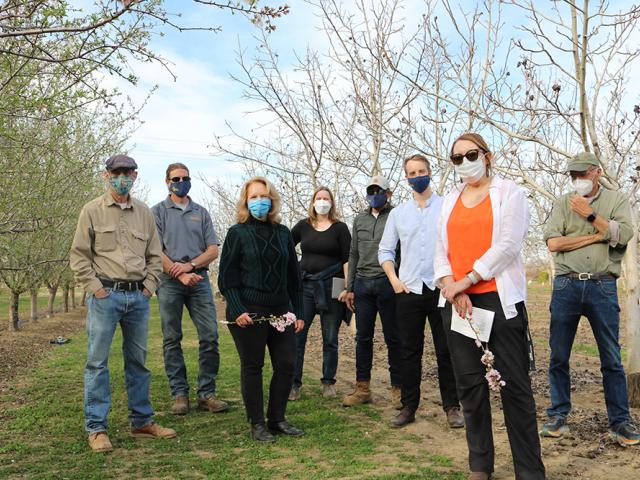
(24,307)
(41,430)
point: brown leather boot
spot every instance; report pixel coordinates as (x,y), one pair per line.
(180,406)
(99,442)
(362,394)
(153,430)
(212,404)
(396,398)
(455,419)
(479,476)
(405,417)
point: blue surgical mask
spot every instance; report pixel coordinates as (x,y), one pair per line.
(121,184)
(377,201)
(259,207)
(180,189)
(420,184)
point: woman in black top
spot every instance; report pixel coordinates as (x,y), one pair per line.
(325,244)
(259,277)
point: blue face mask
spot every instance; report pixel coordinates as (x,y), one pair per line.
(180,189)
(259,207)
(420,184)
(377,201)
(121,184)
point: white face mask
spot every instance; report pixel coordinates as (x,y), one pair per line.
(322,207)
(582,186)
(471,171)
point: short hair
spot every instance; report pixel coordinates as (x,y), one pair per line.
(473,138)
(332,215)
(175,166)
(242,210)
(418,157)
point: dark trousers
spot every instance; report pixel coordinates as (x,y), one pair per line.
(508,344)
(251,342)
(373,296)
(412,310)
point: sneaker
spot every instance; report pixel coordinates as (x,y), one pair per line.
(329,391)
(455,419)
(99,442)
(180,405)
(626,434)
(210,403)
(554,428)
(294,394)
(153,430)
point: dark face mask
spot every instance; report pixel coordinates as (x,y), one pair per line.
(377,201)
(180,189)
(420,184)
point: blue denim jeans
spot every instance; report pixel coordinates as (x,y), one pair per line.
(598,301)
(373,296)
(330,323)
(131,311)
(172,297)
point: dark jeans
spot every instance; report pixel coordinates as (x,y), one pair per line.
(172,297)
(508,344)
(373,295)
(330,322)
(598,301)
(412,310)
(250,343)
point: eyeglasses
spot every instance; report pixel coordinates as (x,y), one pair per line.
(121,171)
(471,155)
(581,173)
(177,179)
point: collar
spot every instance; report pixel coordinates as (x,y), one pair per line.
(595,197)
(108,200)
(168,203)
(384,209)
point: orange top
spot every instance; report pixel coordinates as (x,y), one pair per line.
(469,233)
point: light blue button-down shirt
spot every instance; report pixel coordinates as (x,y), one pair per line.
(417,230)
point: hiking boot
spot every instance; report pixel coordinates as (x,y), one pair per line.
(99,442)
(260,433)
(284,428)
(294,394)
(396,397)
(180,405)
(405,417)
(479,476)
(329,391)
(210,403)
(153,430)
(554,428)
(455,419)
(626,434)
(362,394)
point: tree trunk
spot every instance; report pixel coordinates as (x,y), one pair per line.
(34,304)
(13,310)
(72,292)
(83,299)
(65,297)
(53,290)
(633,319)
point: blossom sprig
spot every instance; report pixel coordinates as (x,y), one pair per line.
(494,379)
(278,322)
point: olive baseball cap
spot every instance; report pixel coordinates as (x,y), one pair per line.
(120,161)
(380,181)
(582,161)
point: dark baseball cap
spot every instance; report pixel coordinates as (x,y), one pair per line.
(120,161)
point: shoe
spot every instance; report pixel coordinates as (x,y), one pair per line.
(554,428)
(180,405)
(210,403)
(260,433)
(405,417)
(329,391)
(455,419)
(626,434)
(99,442)
(285,428)
(153,430)
(479,476)
(294,394)
(396,398)
(362,394)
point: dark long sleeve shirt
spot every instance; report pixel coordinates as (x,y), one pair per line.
(258,265)
(321,250)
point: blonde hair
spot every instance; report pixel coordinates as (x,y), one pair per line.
(313,216)
(242,210)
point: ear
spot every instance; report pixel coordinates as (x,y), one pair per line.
(105,175)
(389,193)
(135,175)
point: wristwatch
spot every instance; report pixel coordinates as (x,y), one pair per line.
(473,277)
(591,218)
(193,266)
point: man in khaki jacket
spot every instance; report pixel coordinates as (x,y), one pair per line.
(115,255)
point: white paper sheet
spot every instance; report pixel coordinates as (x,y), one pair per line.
(482,319)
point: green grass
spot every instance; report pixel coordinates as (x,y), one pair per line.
(24,307)
(43,437)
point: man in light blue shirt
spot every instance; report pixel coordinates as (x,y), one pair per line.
(415,224)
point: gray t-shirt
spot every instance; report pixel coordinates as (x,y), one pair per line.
(185,234)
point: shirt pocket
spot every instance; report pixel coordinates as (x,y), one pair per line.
(106,239)
(138,242)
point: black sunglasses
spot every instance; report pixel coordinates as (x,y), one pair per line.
(471,155)
(177,179)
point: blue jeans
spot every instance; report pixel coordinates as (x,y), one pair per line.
(131,311)
(330,323)
(172,297)
(598,301)
(373,295)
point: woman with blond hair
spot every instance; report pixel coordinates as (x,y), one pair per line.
(325,242)
(260,279)
(478,264)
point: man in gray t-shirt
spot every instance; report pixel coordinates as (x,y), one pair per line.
(189,245)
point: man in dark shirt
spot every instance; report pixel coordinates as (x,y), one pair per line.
(370,294)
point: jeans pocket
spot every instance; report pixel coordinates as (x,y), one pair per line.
(560,282)
(608,287)
(106,289)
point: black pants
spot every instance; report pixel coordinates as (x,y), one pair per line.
(412,310)
(251,342)
(508,344)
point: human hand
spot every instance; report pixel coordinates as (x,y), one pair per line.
(452,289)
(462,304)
(580,205)
(102,293)
(190,279)
(147,293)
(179,268)
(349,300)
(399,287)
(299,325)
(244,320)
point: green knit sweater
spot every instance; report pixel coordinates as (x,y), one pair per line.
(259,266)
